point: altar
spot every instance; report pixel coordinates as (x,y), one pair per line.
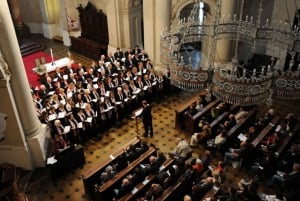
(51,66)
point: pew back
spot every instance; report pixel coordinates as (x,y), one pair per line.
(92,175)
(191,122)
(105,191)
(180,110)
(266,130)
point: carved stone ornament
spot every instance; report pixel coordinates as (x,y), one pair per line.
(4,71)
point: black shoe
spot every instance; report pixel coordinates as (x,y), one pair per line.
(145,135)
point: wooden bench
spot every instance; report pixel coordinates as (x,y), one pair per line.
(180,110)
(92,175)
(191,122)
(173,189)
(266,130)
(146,183)
(210,194)
(286,140)
(242,123)
(221,118)
(105,191)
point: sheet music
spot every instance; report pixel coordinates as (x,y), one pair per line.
(134,190)
(83,106)
(67,129)
(51,93)
(51,117)
(137,91)
(61,115)
(65,77)
(69,94)
(51,160)
(95,79)
(89,119)
(138,112)
(146,181)
(161,168)
(242,137)
(63,101)
(96,114)
(79,125)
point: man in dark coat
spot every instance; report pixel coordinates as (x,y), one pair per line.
(147,118)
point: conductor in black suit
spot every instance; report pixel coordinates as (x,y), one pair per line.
(147,118)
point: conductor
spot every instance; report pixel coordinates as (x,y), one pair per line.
(147,118)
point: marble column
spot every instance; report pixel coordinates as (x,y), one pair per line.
(10,49)
(27,124)
(157,15)
(225,47)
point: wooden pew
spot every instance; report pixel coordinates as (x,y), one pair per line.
(191,123)
(173,189)
(92,175)
(210,194)
(221,118)
(286,140)
(146,183)
(105,191)
(179,111)
(242,123)
(266,130)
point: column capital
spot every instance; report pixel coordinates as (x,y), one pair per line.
(4,71)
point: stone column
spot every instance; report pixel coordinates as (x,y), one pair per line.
(157,15)
(20,87)
(225,47)
(25,125)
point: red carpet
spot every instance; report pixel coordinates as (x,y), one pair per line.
(29,64)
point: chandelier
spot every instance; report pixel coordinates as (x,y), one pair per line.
(236,82)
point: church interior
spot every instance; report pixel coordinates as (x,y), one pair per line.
(201,64)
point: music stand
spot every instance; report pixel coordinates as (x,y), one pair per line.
(137,113)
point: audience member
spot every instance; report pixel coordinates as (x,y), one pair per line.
(182,149)
(108,174)
(57,144)
(124,188)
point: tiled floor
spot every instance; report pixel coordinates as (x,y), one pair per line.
(69,187)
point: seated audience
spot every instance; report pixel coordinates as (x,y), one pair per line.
(124,188)
(235,154)
(57,143)
(182,149)
(108,174)
(137,176)
(286,180)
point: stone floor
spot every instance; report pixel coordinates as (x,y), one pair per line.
(70,187)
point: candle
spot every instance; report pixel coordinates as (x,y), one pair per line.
(51,53)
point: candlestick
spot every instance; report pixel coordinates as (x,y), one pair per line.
(52,58)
